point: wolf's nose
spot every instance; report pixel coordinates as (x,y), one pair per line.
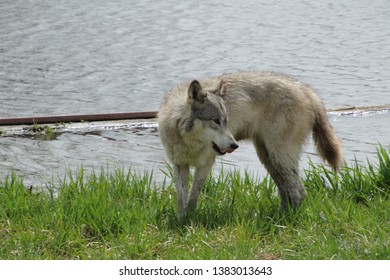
(234,146)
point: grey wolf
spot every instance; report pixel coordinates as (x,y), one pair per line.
(203,118)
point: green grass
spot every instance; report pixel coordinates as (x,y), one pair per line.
(123,215)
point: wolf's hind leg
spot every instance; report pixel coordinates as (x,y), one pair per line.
(283,166)
(181,176)
(290,186)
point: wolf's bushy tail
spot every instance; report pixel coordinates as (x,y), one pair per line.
(327,142)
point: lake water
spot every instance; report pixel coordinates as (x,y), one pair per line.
(91,56)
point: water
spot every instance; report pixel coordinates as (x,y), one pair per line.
(91,56)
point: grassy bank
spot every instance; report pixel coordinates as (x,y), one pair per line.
(124,215)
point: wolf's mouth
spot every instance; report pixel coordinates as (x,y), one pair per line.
(224,150)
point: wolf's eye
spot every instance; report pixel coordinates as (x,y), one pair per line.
(217,121)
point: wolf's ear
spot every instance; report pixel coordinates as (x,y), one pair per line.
(221,89)
(195,92)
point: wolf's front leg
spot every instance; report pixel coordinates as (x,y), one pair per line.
(200,176)
(181,176)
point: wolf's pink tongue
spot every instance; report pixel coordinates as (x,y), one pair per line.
(227,150)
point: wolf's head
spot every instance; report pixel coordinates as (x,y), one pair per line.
(209,119)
